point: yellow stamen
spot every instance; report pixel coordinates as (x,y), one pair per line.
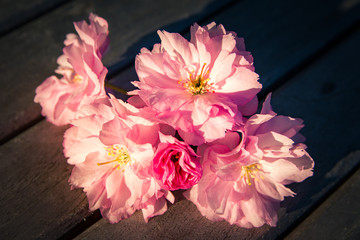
(119,153)
(175,157)
(77,79)
(198,83)
(251,172)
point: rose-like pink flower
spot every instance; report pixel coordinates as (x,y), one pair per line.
(82,71)
(175,164)
(244,173)
(111,146)
(198,87)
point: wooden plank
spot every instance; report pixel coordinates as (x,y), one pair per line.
(338,217)
(13,14)
(291,35)
(39,43)
(324,95)
(181,221)
(36,201)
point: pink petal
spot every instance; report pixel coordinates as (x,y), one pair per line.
(271,139)
(177,46)
(154,207)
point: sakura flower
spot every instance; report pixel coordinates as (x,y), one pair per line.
(111,147)
(82,71)
(244,173)
(95,34)
(175,164)
(198,87)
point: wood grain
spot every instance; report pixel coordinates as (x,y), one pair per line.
(29,54)
(331,115)
(35,191)
(338,217)
(13,14)
(325,97)
(285,34)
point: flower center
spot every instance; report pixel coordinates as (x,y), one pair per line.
(250,172)
(198,83)
(175,157)
(119,154)
(77,79)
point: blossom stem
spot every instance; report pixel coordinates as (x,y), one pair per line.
(115,88)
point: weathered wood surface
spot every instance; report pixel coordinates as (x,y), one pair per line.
(13,14)
(324,95)
(39,43)
(338,217)
(35,191)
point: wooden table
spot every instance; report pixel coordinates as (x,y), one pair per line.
(306,53)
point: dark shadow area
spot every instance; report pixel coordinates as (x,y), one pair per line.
(295,205)
(82,226)
(28,13)
(338,39)
(21,129)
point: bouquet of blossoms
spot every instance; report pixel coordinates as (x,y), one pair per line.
(191,124)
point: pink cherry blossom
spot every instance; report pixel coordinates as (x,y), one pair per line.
(95,34)
(111,147)
(198,87)
(244,173)
(82,71)
(175,164)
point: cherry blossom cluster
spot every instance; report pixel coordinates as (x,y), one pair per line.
(190,124)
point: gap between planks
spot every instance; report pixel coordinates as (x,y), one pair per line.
(337,217)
